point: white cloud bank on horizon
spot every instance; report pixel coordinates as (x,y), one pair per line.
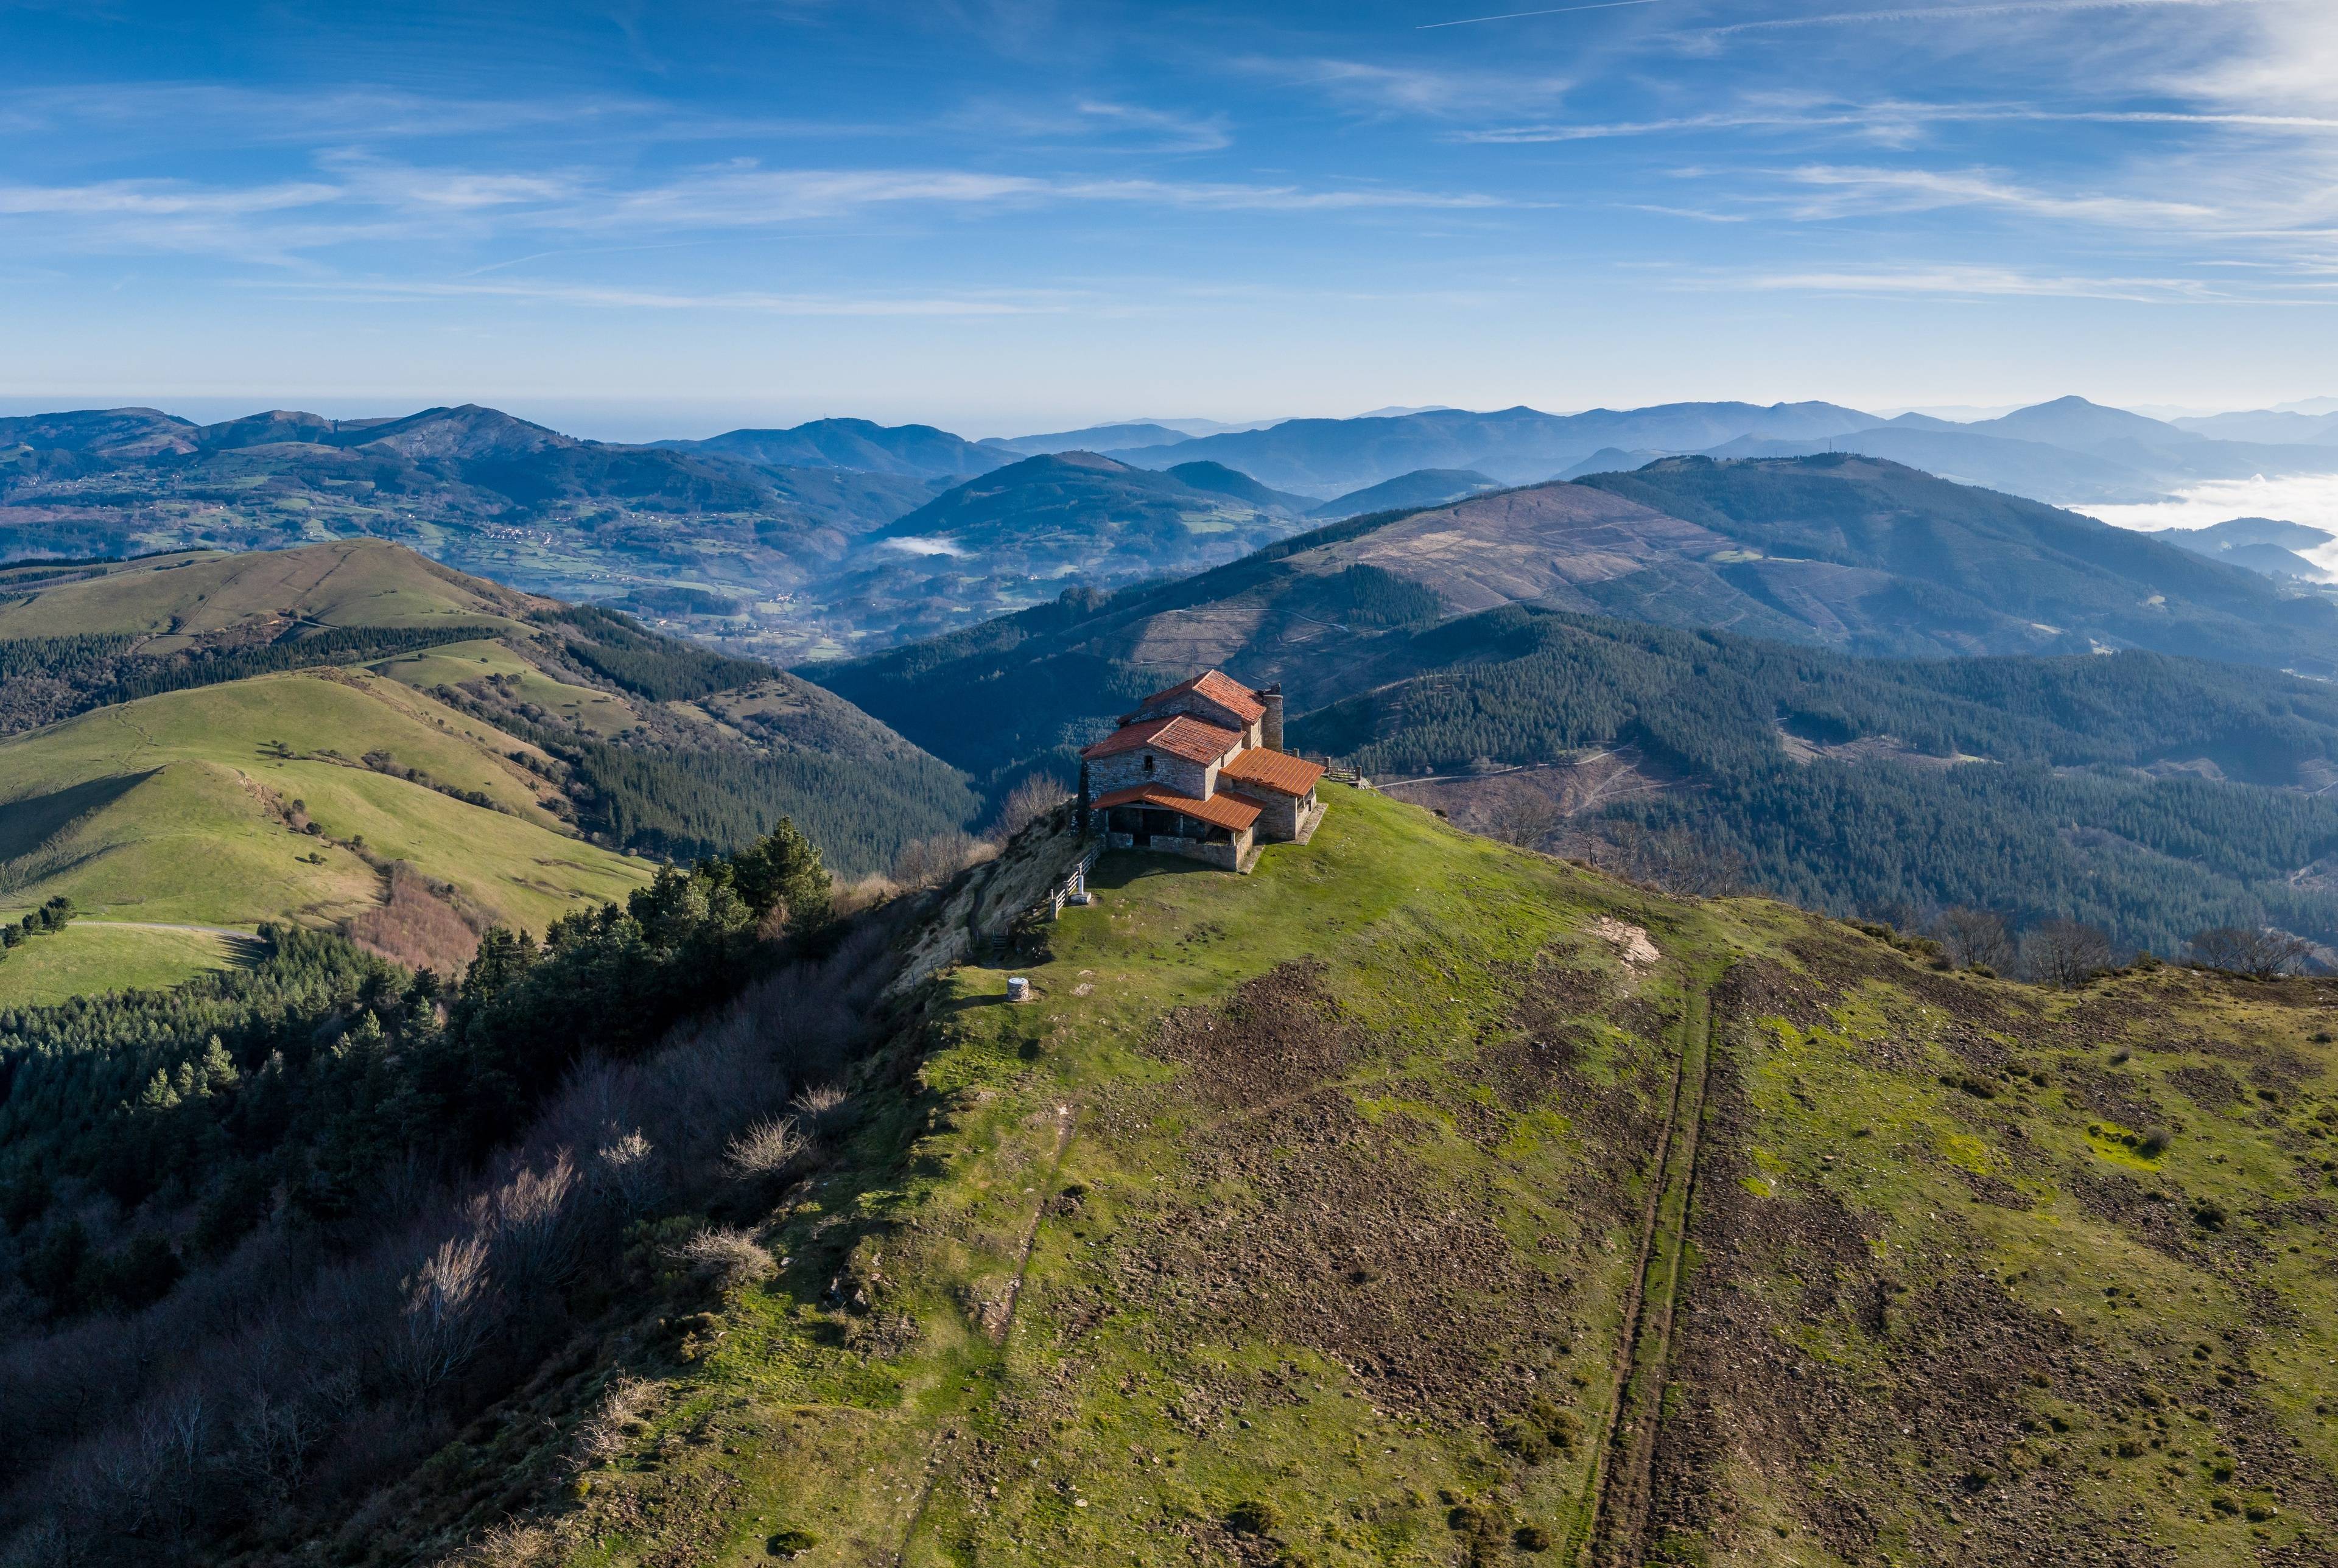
(2308,498)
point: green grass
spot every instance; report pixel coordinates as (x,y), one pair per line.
(193,835)
(1424,933)
(345,583)
(1326,1268)
(91,957)
(597,712)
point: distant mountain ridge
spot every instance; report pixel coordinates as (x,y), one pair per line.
(918,450)
(1842,552)
(2265,545)
(1421,487)
(1515,446)
(1006,538)
(1090,438)
(759,538)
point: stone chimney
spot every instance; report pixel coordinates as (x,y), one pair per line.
(1271,728)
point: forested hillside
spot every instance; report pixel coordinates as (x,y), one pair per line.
(1952,563)
(2153,796)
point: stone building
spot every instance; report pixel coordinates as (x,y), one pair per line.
(1199,770)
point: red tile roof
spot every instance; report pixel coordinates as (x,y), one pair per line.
(1277,771)
(1179,734)
(1221,689)
(1228,811)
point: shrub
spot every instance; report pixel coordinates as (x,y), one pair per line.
(767,1148)
(820,1101)
(510,1546)
(1531,1538)
(601,1437)
(1252,1517)
(725,1258)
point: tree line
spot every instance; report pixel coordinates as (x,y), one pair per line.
(293,1086)
(45,679)
(300,1224)
(2055,822)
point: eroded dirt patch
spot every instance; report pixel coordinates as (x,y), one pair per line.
(1278,1033)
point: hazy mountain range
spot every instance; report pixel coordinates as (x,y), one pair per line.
(840,535)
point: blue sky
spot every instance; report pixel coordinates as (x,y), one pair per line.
(1004,215)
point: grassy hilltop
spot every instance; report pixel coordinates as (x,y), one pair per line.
(1417,1200)
(348,734)
(181,799)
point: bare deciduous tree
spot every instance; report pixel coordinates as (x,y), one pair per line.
(924,863)
(448,1318)
(1027,803)
(1975,936)
(535,1230)
(274,1437)
(2262,953)
(625,1170)
(1526,818)
(2065,952)
(1674,861)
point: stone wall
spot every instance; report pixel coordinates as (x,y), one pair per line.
(1226,857)
(1277,814)
(1125,771)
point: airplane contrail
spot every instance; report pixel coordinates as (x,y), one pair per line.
(1514,15)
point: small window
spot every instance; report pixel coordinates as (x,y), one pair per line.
(1148,762)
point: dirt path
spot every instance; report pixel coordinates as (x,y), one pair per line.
(229,932)
(1385,785)
(938,1461)
(1614,1519)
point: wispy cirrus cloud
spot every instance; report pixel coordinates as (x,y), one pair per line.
(159,199)
(1957,14)
(1851,190)
(1889,121)
(366,197)
(211,114)
(1389,88)
(1096,124)
(1975,282)
(757,302)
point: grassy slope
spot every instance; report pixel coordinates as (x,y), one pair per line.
(1320,1238)
(347,582)
(597,712)
(192,838)
(90,957)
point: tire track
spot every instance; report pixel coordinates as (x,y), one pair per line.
(939,1464)
(1614,1517)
